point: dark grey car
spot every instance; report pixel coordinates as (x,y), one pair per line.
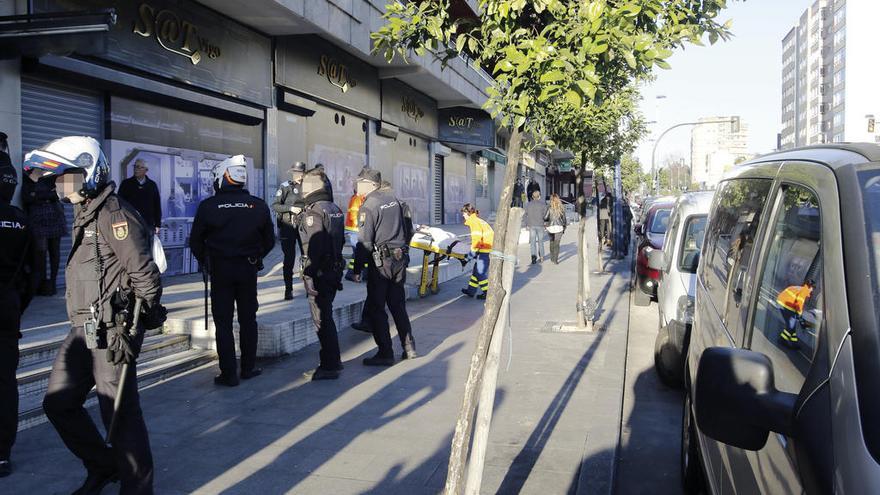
(783,370)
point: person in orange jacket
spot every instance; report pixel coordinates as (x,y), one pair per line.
(482,237)
(351,233)
(791,302)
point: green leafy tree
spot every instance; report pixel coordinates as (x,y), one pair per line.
(560,54)
(631,173)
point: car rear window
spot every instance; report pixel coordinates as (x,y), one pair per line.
(870,182)
(660,221)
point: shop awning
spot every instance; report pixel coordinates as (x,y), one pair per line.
(34,35)
(494,156)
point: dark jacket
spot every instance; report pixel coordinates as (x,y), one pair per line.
(232,224)
(289,194)
(111,249)
(532,187)
(552,217)
(381,221)
(323,235)
(145,199)
(43,207)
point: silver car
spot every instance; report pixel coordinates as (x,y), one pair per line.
(677,264)
(783,365)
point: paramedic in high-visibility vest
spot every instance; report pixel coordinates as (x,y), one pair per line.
(351,233)
(791,302)
(482,236)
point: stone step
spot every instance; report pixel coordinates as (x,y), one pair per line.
(42,348)
(33,379)
(149,373)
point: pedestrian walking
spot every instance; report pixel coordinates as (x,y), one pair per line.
(231,234)
(142,193)
(605,207)
(556,223)
(627,225)
(110,265)
(323,236)
(482,237)
(533,187)
(535,211)
(48,226)
(288,206)
(384,230)
(518,191)
(15,294)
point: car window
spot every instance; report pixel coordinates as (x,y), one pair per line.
(789,307)
(871,199)
(669,247)
(660,221)
(692,243)
(730,238)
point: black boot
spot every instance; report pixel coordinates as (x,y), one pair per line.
(5,468)
(378,360)
(534,260)
(288,294)
(97,481)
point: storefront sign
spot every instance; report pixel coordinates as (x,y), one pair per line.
(408,109)
(464,125)
(315,67)
(184,41)
(564,165)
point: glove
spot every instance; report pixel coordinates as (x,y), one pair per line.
(154,316)
(120,348)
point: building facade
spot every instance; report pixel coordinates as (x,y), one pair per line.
(829,75)
(716,145)
(180,85)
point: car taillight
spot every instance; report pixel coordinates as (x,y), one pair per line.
(642,266)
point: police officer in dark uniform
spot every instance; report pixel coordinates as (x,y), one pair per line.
(109,266)
(233,230)
(323,235)
(15,295)
(288,208)
(384,231)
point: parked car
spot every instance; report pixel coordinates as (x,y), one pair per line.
(783,366)
(677,265)
(650,233)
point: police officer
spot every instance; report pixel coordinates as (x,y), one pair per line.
(15,295)
(384,231)
(110,264)
(233,230)
(288,206)
(323,236)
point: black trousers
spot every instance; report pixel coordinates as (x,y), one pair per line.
(10,323)
(289,236)
(46,247)
(321,306)
(385,287)
(75,371)
(234,287)
(555,239)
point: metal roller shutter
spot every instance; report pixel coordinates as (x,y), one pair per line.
(51,111)
(437,207)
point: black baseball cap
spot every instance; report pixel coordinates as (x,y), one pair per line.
(370,175)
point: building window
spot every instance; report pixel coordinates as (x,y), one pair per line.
(840,16)
(481,178)
(838,98)
(838,138)
(838,119)
(839,58)
(839,77)
(839,37)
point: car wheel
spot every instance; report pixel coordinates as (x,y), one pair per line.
(640,298)
(691,472)
(667,360)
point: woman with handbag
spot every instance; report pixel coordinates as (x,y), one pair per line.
(556,223)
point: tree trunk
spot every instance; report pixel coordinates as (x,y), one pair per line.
(464,425)
(490,375)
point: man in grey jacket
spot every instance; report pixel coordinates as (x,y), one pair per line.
(535,222)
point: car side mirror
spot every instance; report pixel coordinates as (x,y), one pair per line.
(736,400)
(655,258)
(638,229)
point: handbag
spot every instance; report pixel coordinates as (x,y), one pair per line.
(159,254)
(555,229)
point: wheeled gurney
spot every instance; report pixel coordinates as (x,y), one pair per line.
(441,244)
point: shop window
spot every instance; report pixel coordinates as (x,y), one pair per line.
(789,309)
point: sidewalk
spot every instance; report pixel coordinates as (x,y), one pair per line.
(388,431)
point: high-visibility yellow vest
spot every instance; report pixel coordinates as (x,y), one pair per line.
(482,234)
(794,297)
(351,216)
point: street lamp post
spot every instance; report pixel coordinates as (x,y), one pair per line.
(734,124)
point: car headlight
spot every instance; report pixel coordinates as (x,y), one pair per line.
(685,310)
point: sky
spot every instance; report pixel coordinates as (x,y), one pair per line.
(741,76)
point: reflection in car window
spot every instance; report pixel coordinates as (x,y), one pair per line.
(660,222)
(669,247)
(730,237)
(789,310)
(871,197)
(689,255)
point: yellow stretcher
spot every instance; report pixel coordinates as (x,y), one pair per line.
(441,245)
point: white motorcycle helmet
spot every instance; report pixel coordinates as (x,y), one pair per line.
(231,172)
(79,154)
